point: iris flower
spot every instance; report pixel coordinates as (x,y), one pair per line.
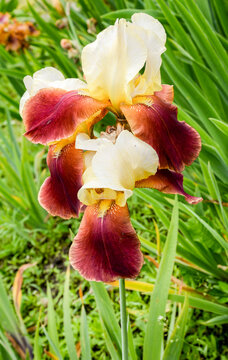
(148,147)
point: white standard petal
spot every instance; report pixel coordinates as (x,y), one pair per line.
(83,142)
(112,61)
(154,36)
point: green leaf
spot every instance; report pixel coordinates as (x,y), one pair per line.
(66,319)
(108,317)
(52,345)
(217,320)
(221,10)
(213,232)
(6,352)
(84,337)
(220,125)
(127,13)
(29,185)
(131,347)
(172,321)
(50,30)
(37,346)
(201,23)
(11,101)
(17,74)
(154,331)
(175,343)
(52,328)
(217,195)
(8,318)
(202,304)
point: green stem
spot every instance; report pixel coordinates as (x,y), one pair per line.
(123,320)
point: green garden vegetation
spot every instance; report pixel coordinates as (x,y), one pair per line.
(49,311)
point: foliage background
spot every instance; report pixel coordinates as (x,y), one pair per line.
(195,62)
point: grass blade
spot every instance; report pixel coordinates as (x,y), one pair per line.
(107,315)
(37,347)
(217,320)
(52,345)
(84,337)
(132,352)
(154,332)
(52,328)
(175,344)
(66,319)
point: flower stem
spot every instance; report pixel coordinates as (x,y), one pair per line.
(123,320)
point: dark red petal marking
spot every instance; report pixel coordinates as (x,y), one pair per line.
(176,143)
(58,194)
(54,114)
(168,182)
(106,248)
(166,94)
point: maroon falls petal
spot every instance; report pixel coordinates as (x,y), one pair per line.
(54,114)
(166,94)
(168,182)
(106,247)
(58,194)
(155,122)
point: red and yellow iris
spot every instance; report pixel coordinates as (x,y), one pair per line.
(148,147)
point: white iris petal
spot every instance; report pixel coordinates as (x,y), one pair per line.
(116,166)
(112,62)
(84,142)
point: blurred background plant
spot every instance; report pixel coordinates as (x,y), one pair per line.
(57,317)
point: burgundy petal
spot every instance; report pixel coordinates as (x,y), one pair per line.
(155,122)
(58,194)
(106,248)
(168,182)
(54,114)
(166,94)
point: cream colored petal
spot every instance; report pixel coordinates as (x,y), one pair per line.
(113,166)
(96,190)
(125,162)
(141,157)
(28,80)
(84,142)
(23,100)
(112,61)
(88,157)
(69,84)
(48,74)
(154,37)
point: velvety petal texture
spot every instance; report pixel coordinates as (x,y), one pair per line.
(111,63)
(155,122)
(58,194)
(55,114)
(168,182)
(106,247)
